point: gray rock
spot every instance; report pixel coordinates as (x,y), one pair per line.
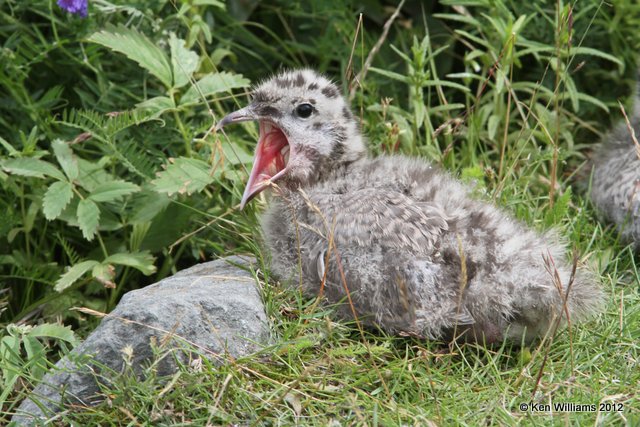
(211,310)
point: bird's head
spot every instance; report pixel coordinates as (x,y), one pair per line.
(306,130)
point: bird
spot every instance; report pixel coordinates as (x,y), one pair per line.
(395,242)
(615,185)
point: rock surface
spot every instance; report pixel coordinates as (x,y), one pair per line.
(212,309)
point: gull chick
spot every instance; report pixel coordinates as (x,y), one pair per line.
(394,241)
(615,188)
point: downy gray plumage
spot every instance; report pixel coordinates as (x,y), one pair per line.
(397,241)
(615,187)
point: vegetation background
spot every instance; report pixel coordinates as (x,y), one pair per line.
(111,179)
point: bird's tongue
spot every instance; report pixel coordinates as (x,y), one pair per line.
(269,162)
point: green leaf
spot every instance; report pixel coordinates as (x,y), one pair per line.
(472,173)
(458,18)
(73,274)
(447,107)
(30,217)
(445,83)
(492,126)
(219,54)
(184,62)
(518,25)
(146,205)
(10,346)
(92,174)
(501,78)
(57,197)
(212,84)
(104,273)
(184,176)
(28,166)
(583,50)
(592,100)
(138,47)
(478,40)
(112,190)
(142,261)
(235,154)
(560,208)
(391,75)
(65,157)
(216,3)
(198,27)
(156,106)
(35,355)
(12,151)
(54,330)
(88,218)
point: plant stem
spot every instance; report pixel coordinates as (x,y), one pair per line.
(556,136)
(508,115)
(183,130)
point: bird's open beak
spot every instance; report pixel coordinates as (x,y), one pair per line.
(271,156)
(242,115)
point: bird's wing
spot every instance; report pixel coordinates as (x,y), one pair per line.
(380,261)
(371,216)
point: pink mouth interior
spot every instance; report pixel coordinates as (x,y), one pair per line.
(269,162)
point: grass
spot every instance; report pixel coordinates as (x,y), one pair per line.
(320,372)
(495,94)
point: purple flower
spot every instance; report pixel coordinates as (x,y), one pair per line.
(78,7)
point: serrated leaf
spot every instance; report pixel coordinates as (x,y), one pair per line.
(184,62)
(211,84)
(88,218)
(73,274)
(184,176)
(66,159)
(138,47)
(112,190)
(93,174)
(142,261)
(109,221)
(52,330)
(27,166)
(57,197)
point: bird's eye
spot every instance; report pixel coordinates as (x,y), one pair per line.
(304,110)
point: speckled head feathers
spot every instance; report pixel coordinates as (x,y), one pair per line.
(306,130)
